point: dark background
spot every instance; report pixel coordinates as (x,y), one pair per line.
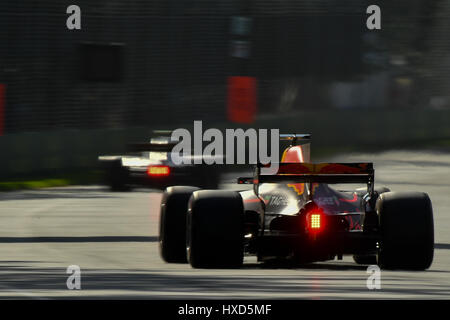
(143,62)
(164,63)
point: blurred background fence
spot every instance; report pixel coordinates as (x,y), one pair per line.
(165,63)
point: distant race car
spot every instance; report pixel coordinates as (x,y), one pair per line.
(297,215)
(151,164)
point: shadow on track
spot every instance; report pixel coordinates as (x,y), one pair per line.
(442,246)
(77,239)
(166,284)
(54,194)
(306,266)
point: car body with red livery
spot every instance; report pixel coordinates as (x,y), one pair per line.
(298,214)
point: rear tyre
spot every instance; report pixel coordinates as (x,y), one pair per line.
(172,223)
(407,232)
(215,224)
(117,177)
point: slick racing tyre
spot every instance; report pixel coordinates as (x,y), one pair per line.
(406,229)
(215,224)
(172,223)
(117,177)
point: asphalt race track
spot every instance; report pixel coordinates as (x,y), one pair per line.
(112,237)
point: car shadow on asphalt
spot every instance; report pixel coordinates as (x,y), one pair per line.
(49,194)
(78,239)
(170,284)
(445,246)
(304,266)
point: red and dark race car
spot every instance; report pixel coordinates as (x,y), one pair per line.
(297,214)
(151,164)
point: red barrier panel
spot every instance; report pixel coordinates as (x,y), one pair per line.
(2,108)
(241,99)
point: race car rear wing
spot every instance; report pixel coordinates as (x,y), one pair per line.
(319,173)
(296,138)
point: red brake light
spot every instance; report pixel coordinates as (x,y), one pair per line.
(158,171)
(315,220)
